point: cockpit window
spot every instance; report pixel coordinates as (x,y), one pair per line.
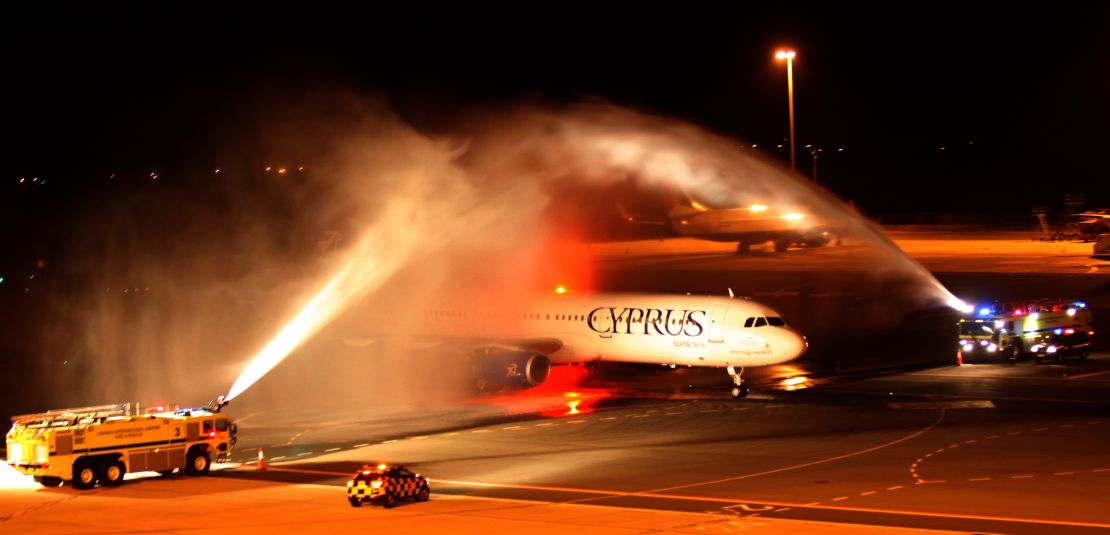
(748,322)
(776,321)
(760,322)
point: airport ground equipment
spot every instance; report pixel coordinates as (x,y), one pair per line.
(386,484)
(91,445)
(1043,329)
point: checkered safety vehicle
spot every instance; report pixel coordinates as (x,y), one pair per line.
(386,484)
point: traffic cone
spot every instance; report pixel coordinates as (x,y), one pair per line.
(959,362)
(261,460)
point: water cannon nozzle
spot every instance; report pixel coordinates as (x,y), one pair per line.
(217,404)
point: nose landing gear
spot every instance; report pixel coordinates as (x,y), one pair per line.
(739,389)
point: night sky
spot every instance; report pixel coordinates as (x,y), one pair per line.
(1016,94)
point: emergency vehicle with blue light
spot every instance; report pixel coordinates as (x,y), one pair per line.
(386,484)
(1043,329)
(101,444)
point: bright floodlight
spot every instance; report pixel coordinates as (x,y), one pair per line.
(784,54)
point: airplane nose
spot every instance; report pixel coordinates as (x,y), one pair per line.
(794,345)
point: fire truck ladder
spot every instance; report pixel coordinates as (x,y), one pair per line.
(49,418)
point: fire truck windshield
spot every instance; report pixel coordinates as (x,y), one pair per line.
(976,329)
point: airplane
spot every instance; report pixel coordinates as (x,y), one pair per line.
(1092,223)
(518,344)
(754,224)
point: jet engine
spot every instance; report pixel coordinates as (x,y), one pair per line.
(496,369)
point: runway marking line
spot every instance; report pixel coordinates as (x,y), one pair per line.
(980,479)
(816,505)
(868,493)
(329,450)
(840,499)
(915,434)
(1063,473)
(363,445)
(1085,375)
(1023,476)
(896,487)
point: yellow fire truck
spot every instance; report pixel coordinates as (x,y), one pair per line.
(91,445)
(1043,329)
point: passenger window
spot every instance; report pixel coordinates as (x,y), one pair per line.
(221,425)
(748,322)
(776,321)
(760,322)
(207,426)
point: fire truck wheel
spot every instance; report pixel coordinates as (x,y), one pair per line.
(355,502)
(389,501)
(197,462)
(84,475)
(112,473)
(48,481)
(423,494)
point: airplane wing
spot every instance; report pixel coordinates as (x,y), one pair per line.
(639,220)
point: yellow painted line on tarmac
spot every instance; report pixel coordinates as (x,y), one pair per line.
(1085,375)
(815,505)
(915,434)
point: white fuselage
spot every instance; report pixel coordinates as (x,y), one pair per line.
(635,328)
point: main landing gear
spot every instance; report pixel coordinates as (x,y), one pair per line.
(739,389)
